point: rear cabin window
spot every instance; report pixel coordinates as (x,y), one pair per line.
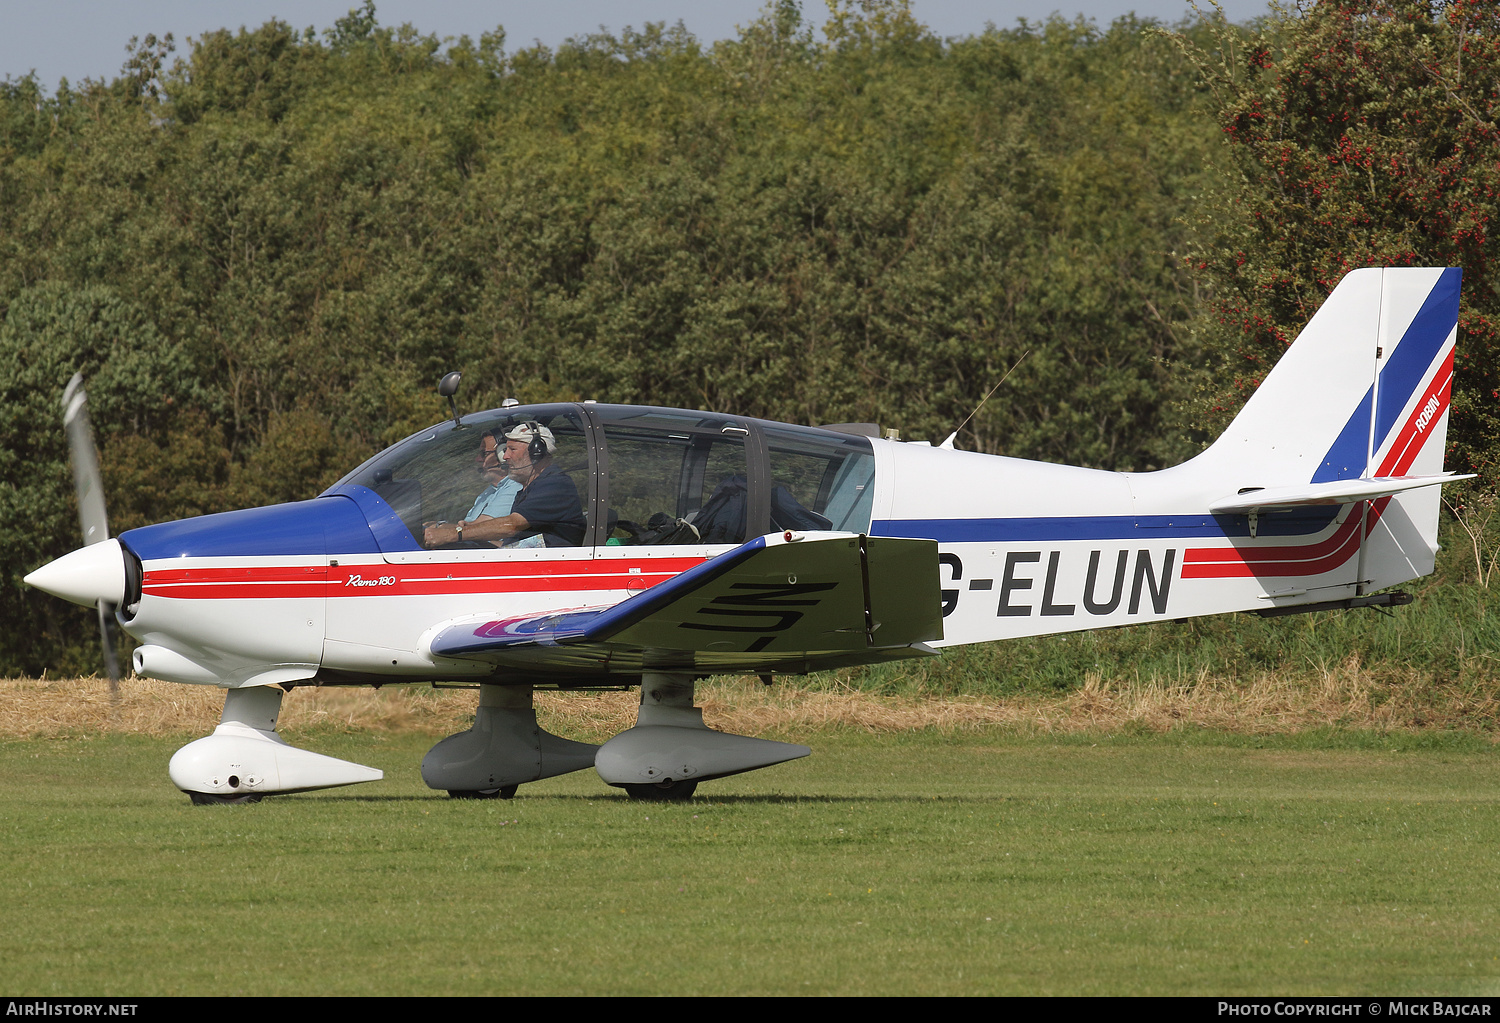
(675,478)
(819,481)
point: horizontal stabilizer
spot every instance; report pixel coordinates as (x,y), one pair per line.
(785,601)
(1333,492)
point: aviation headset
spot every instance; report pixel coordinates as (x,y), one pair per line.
(536,448)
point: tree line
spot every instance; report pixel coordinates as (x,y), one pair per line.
(263,252)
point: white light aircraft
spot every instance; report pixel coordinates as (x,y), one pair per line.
(655,547)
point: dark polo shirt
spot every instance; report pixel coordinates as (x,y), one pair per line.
(550,506)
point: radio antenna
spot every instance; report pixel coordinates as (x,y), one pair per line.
(952,436)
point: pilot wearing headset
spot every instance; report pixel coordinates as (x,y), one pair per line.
(546,511)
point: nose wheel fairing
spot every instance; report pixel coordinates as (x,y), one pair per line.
(244,759)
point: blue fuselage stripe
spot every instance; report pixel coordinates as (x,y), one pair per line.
(1123,528)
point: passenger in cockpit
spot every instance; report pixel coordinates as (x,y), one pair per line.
(496,500)
(546,511)
(492,503)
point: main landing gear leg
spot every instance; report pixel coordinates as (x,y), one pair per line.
(670,750)
(245,760)
(505,748)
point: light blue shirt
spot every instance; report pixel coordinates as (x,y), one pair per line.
(495,501)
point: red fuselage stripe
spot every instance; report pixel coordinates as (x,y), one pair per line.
(428,579)
(1296,555)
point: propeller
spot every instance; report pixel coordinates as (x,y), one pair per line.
(89,484)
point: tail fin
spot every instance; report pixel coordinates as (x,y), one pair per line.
(1362,394)
(1364,389)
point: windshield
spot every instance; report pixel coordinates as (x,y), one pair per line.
(446,474)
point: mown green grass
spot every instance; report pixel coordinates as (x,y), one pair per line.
(914,864)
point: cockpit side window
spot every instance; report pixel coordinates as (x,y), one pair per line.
(818,481)
(659,476)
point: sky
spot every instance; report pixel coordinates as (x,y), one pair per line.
(77,39)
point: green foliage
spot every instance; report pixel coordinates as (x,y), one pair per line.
(1363,133)
(875,225)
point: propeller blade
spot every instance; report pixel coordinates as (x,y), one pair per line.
(86,478)
(106,636)
(89,484)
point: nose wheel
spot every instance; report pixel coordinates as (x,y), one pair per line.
(245,760)
(213,799)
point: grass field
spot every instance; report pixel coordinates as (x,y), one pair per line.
(977,860)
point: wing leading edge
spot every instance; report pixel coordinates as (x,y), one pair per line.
(782,602)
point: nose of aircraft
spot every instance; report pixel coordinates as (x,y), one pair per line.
(86,576)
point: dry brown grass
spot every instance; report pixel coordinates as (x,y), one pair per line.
(1343,695)
(32,707)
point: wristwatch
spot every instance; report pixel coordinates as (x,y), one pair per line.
(460,528)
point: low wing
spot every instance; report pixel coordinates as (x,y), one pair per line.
(1334,492)
(783,602)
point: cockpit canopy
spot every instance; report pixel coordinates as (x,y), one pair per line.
(644,476)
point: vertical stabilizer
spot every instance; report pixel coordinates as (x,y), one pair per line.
(1362,392)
